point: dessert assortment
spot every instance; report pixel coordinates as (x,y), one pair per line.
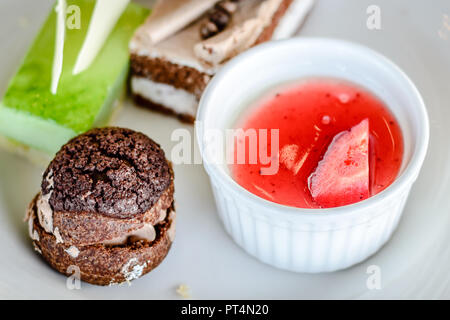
(106,202)
(328,160)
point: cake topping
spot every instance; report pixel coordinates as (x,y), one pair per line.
(116,172)
(240,35)
(59,46)
(169,17)
(342,177)
(105,16)
(218,19)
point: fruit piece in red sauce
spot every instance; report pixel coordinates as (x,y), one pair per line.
(342,176)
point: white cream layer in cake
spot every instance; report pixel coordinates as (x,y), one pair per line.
(179,100)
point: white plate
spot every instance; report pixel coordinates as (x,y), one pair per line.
(413,264)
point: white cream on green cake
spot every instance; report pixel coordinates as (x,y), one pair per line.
(58,59)
(34,118)
(104,18)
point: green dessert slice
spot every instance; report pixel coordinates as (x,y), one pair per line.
(32,117)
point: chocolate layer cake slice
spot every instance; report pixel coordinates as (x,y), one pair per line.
(169,73)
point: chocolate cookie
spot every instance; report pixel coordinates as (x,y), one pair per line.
(106,206)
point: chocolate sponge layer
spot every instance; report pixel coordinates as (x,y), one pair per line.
(163,71)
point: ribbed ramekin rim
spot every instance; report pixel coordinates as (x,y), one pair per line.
(402,182)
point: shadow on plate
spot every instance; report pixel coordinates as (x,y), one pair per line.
(19,182)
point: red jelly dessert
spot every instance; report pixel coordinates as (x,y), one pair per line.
(338,144)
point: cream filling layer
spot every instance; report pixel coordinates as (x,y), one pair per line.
(147,232)
(44,210)
(45,217)
(180,101)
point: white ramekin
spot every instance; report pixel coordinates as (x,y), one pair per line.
(311,240)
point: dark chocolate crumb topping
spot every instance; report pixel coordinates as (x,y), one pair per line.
(111,171)
(218,18)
